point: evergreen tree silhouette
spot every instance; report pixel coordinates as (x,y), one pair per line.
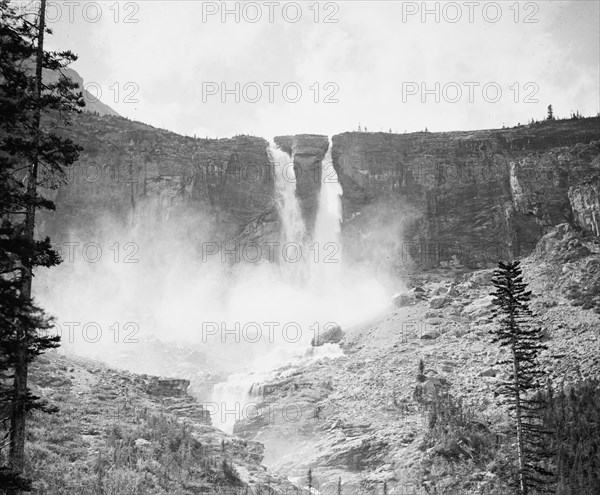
(31,157)
(516,332)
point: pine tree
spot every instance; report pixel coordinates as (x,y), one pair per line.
(523,340)
(310,480)
(30,156)
(550,113)
(339,486)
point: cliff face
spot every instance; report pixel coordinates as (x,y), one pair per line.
(585,203)
(138,175)
(411,201)
(464,198)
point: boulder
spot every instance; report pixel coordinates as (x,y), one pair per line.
(403,299)
(330,336)
(418,293)
(481,277)
(439,302)
(480,307)
(430,334)
(452,292)
(455,309)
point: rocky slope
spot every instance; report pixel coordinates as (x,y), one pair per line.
(119,433)
(357,417)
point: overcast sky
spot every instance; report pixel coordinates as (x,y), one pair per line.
(368,64)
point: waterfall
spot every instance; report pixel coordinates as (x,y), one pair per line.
(231,400)
(329,215)
(239,397)
(310,283)
(313,293)
(327,246)
(293,229)
(321,255)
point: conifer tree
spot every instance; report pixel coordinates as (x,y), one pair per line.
(31,156)
(516,332)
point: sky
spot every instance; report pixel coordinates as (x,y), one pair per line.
(328,67)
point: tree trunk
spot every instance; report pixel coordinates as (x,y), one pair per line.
(520,442)
(17,431)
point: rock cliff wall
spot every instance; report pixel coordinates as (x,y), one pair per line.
(411,201)
(141,176)
(585,203)
(464,198)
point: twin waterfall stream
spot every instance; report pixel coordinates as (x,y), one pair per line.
(317,276)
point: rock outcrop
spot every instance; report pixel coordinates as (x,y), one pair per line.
(308,151)
(585,203)
(166,387)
